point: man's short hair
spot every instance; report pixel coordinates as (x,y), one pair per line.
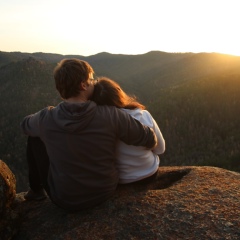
(68,75)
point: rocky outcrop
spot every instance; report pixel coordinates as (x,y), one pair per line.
(8,217)
(184,203)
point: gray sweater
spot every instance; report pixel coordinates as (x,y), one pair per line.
(80,139)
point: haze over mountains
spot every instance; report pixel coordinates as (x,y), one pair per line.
(195,98)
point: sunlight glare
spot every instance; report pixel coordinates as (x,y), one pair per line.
(122,27)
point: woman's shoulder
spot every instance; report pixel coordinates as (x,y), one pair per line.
(141,115)
(137,111)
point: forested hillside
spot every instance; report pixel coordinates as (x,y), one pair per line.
(195,98)
(25,87)
(200,121)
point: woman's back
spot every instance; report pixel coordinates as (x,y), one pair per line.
(136,163)
(133,163)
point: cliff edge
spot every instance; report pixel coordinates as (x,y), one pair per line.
(184,203)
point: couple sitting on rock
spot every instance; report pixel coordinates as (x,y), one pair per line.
(96,138)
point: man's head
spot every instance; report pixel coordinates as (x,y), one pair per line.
(71,76)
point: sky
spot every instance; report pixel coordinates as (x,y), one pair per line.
(88,27)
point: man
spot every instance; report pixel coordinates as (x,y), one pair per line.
(77,169)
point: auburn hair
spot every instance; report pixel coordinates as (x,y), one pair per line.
(108,92)
(68,75)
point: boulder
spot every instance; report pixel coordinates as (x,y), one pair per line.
(183,203)
(8,217)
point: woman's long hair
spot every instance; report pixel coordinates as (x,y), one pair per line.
(108,92)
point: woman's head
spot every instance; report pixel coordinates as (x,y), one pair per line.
(108,92)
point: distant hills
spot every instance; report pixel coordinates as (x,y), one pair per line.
(195,98)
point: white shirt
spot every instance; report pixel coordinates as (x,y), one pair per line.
(136,163)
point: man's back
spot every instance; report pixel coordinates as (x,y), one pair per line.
(81,141)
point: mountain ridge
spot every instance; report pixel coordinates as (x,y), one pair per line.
(183,92)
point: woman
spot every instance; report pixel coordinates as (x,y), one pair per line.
(134,163)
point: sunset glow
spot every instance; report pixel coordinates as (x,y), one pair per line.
(121,27)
